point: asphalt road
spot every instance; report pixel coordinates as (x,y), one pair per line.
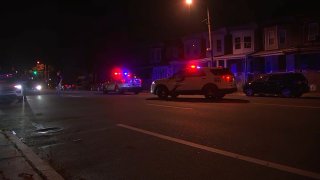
(88,135)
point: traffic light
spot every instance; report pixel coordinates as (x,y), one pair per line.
(35,72)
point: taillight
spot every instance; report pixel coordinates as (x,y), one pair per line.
(227,78)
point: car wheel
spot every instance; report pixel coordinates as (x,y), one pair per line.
(174,95)
(210,92)
(286,93)
(249,92)
(220,96)
(162,92)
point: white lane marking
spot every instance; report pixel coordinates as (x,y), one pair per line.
(176,107)
(228,154)
(287,105)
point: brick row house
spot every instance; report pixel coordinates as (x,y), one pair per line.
(288,44)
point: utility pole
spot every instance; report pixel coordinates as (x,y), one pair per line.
(210,37)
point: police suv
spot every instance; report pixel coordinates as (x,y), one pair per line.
(213,83)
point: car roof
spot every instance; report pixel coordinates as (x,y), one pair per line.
(286,75)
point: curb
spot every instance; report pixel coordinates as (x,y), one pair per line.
(41,167)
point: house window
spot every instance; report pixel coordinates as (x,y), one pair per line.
(247,42)
(271,38)
(237,43)
(313,31)
(219,45)
(282,37)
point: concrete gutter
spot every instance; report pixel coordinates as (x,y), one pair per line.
(43,168)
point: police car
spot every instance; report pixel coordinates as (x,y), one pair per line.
(213,83)
(121,82)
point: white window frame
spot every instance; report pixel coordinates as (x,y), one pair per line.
(313,31)
(285,36)
(247,45)
(270,34)
(239,43)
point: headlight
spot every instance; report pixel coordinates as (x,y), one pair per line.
(39,87)
(18,86)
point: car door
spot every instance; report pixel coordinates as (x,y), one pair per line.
(175,82)
(272,84)
(193,81)
(259,85)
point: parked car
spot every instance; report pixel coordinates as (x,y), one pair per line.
(122,81)
(123,85)
(10,87)
(282,84)
(213,83)
(68,87)
(96,87)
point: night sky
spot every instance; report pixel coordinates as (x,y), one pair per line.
(83,35)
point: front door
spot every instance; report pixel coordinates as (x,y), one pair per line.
(193,81)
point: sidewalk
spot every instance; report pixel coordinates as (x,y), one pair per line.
(17,161)
(306,95)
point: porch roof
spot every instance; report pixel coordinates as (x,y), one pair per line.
(230,56)
(268,53)
(294,50)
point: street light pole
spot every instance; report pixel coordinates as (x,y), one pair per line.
(189,2)
(210,37)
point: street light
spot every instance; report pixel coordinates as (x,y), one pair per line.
(189,2)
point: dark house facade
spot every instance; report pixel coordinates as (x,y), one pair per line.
(289,44)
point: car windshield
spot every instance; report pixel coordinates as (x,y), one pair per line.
(262,78)
(178,74)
